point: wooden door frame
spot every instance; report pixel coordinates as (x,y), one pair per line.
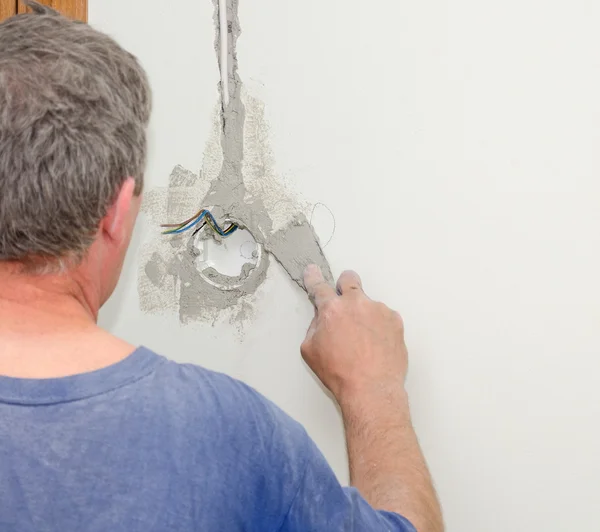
(8,8)
(77,9)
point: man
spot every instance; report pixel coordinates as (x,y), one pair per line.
(96,435)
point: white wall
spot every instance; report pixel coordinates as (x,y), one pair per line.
(468,133)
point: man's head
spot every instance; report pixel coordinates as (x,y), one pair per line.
(74,108)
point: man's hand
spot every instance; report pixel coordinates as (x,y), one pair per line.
(354,345)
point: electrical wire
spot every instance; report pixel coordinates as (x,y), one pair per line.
(199,228)
(203,218)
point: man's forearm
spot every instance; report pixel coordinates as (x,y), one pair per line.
(356,347)
(386,462)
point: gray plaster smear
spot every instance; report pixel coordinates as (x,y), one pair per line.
(237,183)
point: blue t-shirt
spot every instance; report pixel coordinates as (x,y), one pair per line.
(151,445)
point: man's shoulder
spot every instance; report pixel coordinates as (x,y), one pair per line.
(193,384)
(200,397)
(234,441)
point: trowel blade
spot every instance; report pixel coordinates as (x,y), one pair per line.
(295,247)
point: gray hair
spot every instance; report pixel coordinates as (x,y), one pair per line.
(74,109)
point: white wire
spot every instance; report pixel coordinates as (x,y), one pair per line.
(224,51)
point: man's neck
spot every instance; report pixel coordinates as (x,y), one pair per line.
(48,326)
(67,295)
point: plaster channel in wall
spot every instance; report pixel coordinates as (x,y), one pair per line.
(239,183)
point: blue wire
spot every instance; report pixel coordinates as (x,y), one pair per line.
(193,223)
(216,225)
(197,220)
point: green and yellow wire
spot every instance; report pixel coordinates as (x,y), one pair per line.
(199,221)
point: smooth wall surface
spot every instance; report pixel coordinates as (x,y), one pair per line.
(457,144)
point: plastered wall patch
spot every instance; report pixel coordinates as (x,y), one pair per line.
(238,184)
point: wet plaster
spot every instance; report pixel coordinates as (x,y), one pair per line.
(245,190)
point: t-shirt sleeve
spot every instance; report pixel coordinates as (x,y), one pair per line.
(321,503)
(302,489)
(276,474)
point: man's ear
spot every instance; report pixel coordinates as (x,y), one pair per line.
(114,224)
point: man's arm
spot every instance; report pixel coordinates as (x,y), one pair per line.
(386,463)
(356,347)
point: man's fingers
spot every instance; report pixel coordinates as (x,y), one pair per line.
(317,287)
(349,283)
